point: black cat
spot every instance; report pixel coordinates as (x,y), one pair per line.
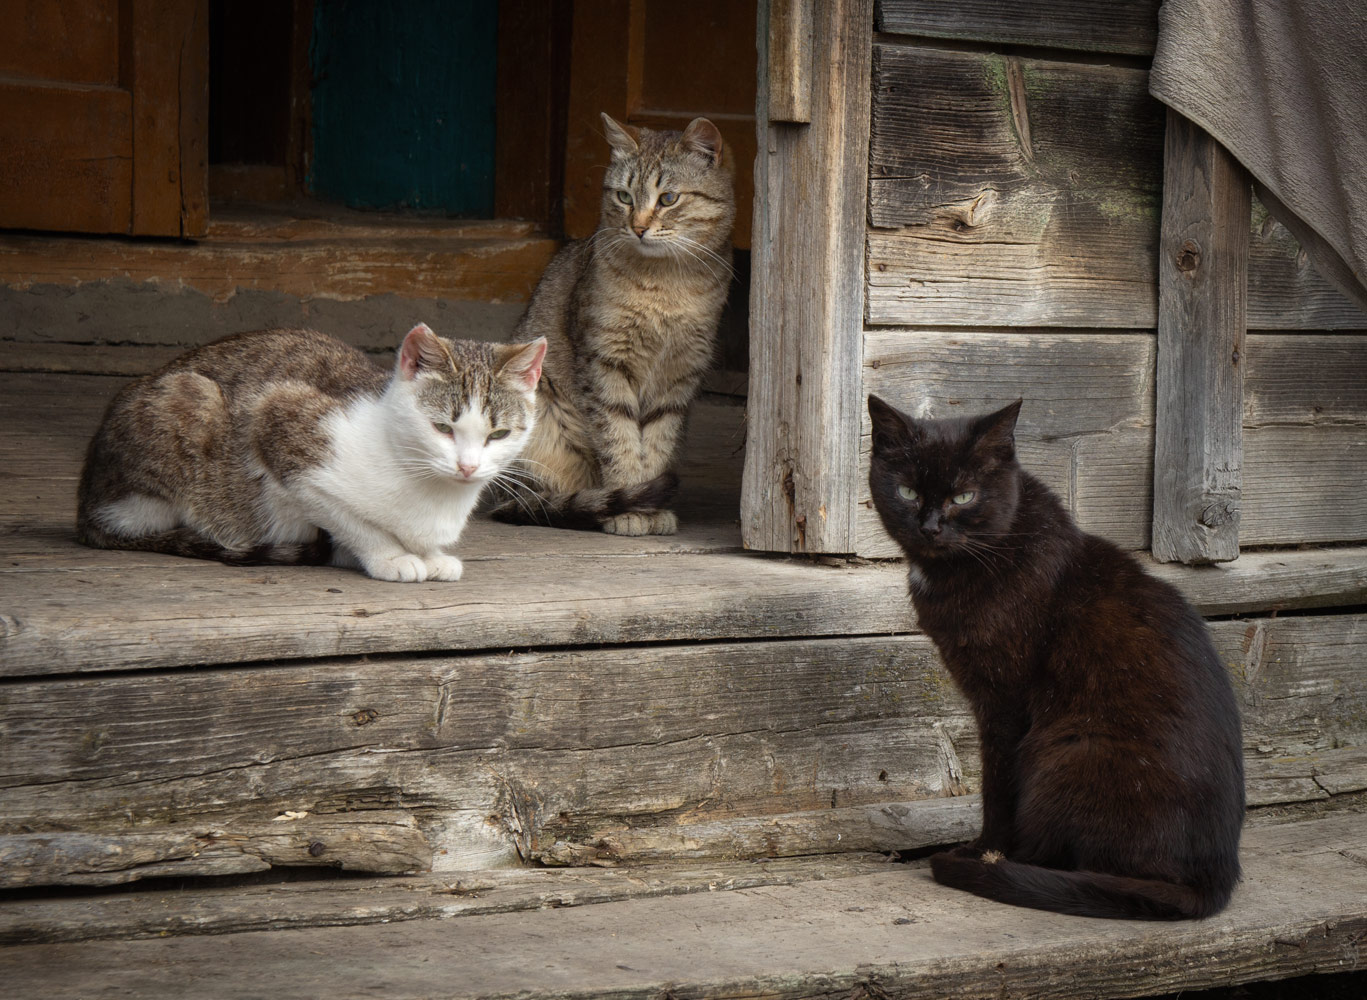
(1111,755)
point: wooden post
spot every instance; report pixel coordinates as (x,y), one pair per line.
(807,293)
(1202,318)
(790,61)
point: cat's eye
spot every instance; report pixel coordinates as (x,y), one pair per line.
(907,493)
(498,435)
(442,428)
(624,197)
(668,198)
(965,497)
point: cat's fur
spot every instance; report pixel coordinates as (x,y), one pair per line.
(631,316)
(290,446)
(1111,753)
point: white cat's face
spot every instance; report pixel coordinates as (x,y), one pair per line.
(462,411)
(471,447)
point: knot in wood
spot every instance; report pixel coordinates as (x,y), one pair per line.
(365,716)
(1219,513)
(316,848)
(1188,256)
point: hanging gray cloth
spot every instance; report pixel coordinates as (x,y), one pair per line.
(1282,84)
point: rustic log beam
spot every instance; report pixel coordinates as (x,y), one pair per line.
(1202,320)
(807,296)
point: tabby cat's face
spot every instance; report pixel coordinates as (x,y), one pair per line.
(467,407)
(668,194)
(944,488)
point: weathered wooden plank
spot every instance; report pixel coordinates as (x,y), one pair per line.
(1300,909)
(1087,426)
(1202,323)
(805,335)
(790,62)
(1128,27)
(497,757)
(371,840)
(1304,484)
(1085,392)
(602,756)
(1305,379)
(354,901)
(57,621)
(421,264)
(1008,191)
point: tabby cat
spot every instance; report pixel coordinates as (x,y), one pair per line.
(290,446)
(631,316)
(1112,764)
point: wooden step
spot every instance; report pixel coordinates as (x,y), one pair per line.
(848,929)
(364,277)
(578,698)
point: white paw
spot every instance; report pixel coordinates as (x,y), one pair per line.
(444,567)
(660,522)
(401,569)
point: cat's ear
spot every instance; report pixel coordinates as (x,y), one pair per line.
(422,349)
(997,431)
(890,427)
(622,138)
(524,363)
(704,138)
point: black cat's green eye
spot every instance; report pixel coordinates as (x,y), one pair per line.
(907,493)
(624,197)
(498,435)
(668,198)
(442,428)
(965,497)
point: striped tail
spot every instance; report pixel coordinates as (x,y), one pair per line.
(1081,893)
(586,510)
(185,542)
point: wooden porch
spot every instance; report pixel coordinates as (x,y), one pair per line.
(593,739)
(674,767)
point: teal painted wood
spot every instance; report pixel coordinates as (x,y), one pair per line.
(403,104)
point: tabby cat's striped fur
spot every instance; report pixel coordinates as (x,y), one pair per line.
(631,316)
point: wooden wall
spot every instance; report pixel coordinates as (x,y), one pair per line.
(1014,206)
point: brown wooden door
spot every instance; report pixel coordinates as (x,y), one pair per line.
(104,116)
(660,64)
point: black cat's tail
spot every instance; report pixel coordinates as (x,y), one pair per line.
(186,542)
(1081,893)
(586,510)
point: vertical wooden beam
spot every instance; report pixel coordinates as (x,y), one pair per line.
(299,144)
(790,61)
(807,295)
(1202,319)
(168,72)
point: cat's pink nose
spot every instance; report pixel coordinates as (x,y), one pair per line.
(639,230)
(468,470)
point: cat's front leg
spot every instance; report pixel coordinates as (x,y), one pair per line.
(379,553)
(999,736)
(619,444)
(442,566)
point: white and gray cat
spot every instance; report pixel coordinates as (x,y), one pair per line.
(289,446)
(631,316)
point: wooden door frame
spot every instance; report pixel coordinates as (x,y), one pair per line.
(806,401)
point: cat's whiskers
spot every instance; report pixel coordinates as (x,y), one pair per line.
(510,486)
(688,241)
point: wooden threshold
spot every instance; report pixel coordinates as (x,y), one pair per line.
(307,250)
(837,929)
